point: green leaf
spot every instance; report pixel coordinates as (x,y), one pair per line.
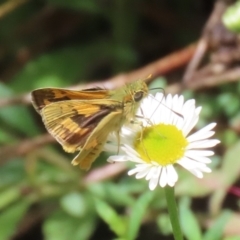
(6,137)
(61,226)
(189,223)
(216,231)
(73,203)
(8,196)
(111,191)
(231,165)
(138,211)
(12,173)
(10,217)
(229,103)
(164,224)
(230,136)
(116,223)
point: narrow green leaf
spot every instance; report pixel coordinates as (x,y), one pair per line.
(216,231)
(8,196)
(10,217)
(189,223)
(116,223)
(230,165)
(138,210)
(164,224)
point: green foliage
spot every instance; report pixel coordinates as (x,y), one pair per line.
(139,210)
(190,225)
(10,217)
(62,226)
(60,43)
(109,215)
(216,231)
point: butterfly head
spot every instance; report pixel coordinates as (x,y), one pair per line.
(139,90)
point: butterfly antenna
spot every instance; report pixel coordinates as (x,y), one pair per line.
(160,102)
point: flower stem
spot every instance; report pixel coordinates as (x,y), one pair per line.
(173,212)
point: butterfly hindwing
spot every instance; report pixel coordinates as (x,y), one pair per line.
(96,140)
(73,122)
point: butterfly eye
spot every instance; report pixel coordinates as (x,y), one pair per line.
(138,96)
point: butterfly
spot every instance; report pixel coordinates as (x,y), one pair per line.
(82,120)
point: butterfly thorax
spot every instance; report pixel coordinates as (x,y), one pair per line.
(130,97)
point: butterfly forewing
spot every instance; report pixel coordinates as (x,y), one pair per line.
(45,96)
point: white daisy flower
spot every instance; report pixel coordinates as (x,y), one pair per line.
(162,140)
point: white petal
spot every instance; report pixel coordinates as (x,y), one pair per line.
(200,136)
(154,179)
(151,172)
(159,96)
(132,155)
(172,175)
(140,166)
(137,169)
(190,164)
(143,173)
(196,173)
(205,169)
(176,111)
(190,119)
(202,133)
(201,153)
(203,144)
(117,158)
(190,124)
(195,157)
(163,177)
(191,168)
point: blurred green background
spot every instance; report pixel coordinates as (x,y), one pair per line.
(61,43)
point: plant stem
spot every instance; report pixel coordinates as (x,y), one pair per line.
(173,212)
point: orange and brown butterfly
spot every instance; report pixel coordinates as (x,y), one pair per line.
(82,120)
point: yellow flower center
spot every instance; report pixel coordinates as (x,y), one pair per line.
(164,144)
